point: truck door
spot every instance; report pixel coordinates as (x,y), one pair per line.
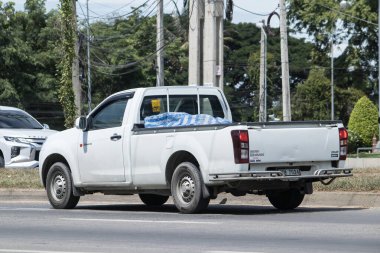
(100,156)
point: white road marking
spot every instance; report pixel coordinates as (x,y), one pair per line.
(35,251)
(23,209)
(146,221)
(231,252)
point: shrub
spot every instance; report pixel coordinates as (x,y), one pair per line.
(363,123)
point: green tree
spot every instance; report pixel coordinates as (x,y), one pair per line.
(242,68)
(312,99)
(363,123)
(27,54)
(323,20)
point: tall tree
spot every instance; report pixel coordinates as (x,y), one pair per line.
(324,20)
(312,99)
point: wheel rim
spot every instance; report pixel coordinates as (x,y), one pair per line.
(186,189)
(58,187)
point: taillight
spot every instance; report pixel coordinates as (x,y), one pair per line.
(240,141)
(343,143)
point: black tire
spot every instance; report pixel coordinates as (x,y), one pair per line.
(187,189)
(2,162)
(153,199)
(59,187)
(286,200)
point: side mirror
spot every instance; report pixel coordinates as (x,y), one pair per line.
(46,126)
(81,123)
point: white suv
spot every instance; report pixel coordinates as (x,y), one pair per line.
(21,138)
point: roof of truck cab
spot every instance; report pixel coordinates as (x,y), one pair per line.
(162,88)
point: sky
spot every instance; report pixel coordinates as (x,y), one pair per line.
(119,7)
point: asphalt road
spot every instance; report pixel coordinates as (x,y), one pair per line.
(32,227)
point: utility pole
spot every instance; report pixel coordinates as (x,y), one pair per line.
(88,62)
(77,88)
(206,43)
(263,76)
(213,44)
(196,24)
(284,64)
(332,75)
(160,43)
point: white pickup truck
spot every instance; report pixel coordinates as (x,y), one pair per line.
(111,151)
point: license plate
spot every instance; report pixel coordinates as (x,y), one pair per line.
(291,172)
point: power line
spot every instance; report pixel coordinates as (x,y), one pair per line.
(254,13)
(105,38)
(122,7)
(123,15)
(346,14)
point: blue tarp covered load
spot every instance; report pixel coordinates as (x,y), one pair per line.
(174,119)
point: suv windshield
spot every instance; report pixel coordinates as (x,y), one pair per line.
(17,119)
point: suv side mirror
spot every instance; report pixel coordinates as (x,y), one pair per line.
(46,126)
(81,123)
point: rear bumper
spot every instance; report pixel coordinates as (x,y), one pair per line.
(279,175)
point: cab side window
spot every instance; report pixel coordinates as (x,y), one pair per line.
(111,115)
(210,104)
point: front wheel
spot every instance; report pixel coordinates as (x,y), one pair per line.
(153,199)
(59,187)
(187,189)
(286,200)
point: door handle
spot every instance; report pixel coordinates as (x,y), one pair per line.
(115,137)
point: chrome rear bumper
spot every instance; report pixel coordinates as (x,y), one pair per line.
(279,175)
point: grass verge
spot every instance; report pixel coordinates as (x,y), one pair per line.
(20,178)
(365,155)
(364,180)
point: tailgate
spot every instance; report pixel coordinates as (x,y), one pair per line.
(274,144)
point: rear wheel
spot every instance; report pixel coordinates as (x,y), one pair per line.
(153,199)
(187,189)
(286,200)
(59,187)
(2,162)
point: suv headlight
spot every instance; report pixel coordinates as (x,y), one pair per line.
(16,139)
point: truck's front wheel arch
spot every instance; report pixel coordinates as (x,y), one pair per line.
(50,160)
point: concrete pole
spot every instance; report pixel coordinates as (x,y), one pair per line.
(263,77)
(332,76)
(284,64)
(160,43)
(213,44)
(88,62)
(196,23)
(77,88)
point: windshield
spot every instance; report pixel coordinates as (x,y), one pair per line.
(17,119)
